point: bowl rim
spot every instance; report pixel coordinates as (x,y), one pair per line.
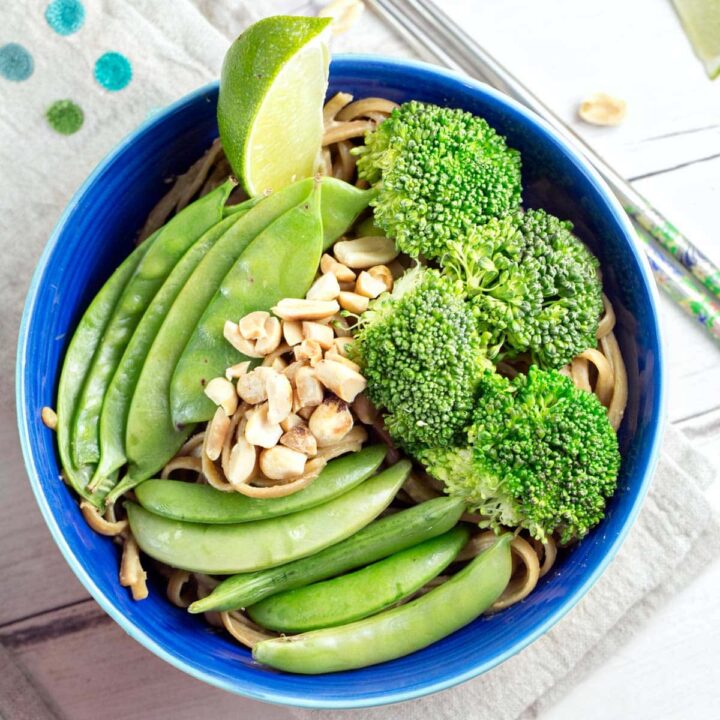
(243,687)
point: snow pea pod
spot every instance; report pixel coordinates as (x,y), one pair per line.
(172,242)
(225,549)
(192,502)
(378,540)
(400,631)
(113,417)
(346,598)
(78,360)
(151,437)
(282,263)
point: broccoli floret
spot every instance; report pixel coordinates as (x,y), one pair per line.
(533,285)
(541,455)
(421,355)
(440,172)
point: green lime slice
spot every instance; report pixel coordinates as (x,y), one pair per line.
(272,91)
(701,20)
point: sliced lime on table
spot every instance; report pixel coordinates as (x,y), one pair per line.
(701,20)
(272,91)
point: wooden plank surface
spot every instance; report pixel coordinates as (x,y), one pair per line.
(87,665)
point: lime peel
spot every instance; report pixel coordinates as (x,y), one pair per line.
(272,90)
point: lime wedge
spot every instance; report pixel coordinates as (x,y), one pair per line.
(701,20)
(272,90)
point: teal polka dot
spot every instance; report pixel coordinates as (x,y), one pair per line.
(65,117)
(65,16)
(16,62)
(113,71)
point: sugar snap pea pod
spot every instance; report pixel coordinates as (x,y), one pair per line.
(172,242)
(113,417)
(78,359)
(192,502)
(281,262)
(151,437)
(362,593)
(341,204)
(225,549)
(400,631)
(378,540)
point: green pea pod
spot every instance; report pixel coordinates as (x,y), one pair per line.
(378,540)
(191,502)
(78,360)
(225,549)
(400,631)
(113,418)
(171,244)
(341,204)
(281,262)
(151,437)
(346,598)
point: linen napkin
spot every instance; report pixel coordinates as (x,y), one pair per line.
(75,77)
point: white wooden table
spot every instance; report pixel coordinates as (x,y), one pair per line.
(670,146)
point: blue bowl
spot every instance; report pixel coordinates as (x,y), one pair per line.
(95,233)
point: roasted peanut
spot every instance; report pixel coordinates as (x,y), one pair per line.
(345,382)
(222,392)
(324,288)
(331,421)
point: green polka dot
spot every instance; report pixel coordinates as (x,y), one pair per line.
(65,16)
(16,62)
(113,71)
(65,117)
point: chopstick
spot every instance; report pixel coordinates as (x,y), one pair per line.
(429,30)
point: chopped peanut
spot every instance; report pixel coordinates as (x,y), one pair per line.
(306,412)
(237,370)
(383,272)
(328,264)
(345,382)
(291,421)
(291,370)
(342,345)
(365,252)
(337,357)
(297,309)
(352,442)
(324,288)
(252,326)
(308,388)
(279,397)
(259,430)
(308,350)
(369,286)
(270,341)
(222,392)
(354,303)
(331,421)
(243,462)
(301,439)
(292,332)
(322,334)
(282,463)
(216,433)
(252,387)
(49,418)
(231,333)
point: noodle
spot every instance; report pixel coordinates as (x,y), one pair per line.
(177,581)
(132,574)
(243,629)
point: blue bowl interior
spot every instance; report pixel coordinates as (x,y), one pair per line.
(97,231)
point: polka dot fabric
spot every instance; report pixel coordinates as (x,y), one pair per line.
(112,70)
